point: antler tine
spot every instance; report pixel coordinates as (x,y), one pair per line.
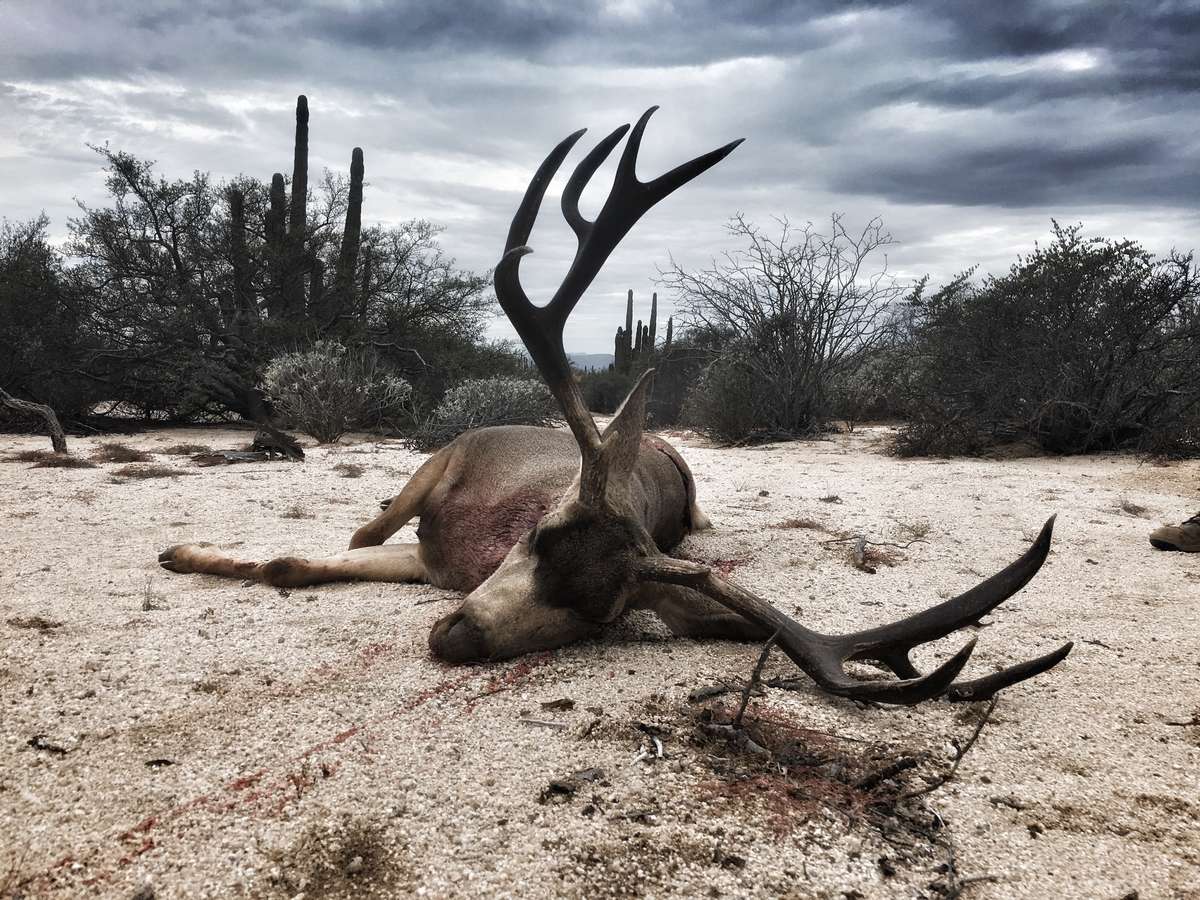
(890,643)
(541,328)
(526,215)
(579,179)
(821,656)
(628,200)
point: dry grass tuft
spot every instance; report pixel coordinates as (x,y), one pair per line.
(40,623)
(868,559)
(349,470)
(296,511)
(116,452)
(143,472)
(45,459)
(915,531)
(186,449)
(348,857)
(1128,506)
(810,524)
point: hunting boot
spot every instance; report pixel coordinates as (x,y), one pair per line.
(1185,537)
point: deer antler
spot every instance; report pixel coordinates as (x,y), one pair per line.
(541,328)
(822,656)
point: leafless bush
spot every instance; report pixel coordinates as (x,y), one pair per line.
(797,311)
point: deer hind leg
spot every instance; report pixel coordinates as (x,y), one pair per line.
(691,614)
(399,562)
(408,503)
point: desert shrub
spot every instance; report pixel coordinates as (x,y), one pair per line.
(721,404)
(482,402)
(44,328)
(795,311)
(326,390)
(1086,345)
(604,389)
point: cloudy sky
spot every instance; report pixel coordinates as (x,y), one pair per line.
(965,126)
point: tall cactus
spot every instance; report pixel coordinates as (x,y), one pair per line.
(667,341)
(653,321)
(298,218)
(275,225)
(298,214)
(243,301)
(351,235)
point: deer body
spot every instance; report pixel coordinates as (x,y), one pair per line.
(553,533)
(478,495)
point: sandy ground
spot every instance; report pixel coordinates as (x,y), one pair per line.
(185,736)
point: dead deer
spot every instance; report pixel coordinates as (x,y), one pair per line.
(554,533)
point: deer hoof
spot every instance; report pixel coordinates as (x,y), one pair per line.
(174,559)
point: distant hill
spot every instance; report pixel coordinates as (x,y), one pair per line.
(586,361)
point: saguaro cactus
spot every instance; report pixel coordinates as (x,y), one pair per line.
(351,234)
(243,301)
(298,214)
(275,225)
(653,319)
(299,211)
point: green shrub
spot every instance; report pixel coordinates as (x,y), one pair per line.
(727,404)
(483,402)
(1086,345)
(603,390)
(328,390)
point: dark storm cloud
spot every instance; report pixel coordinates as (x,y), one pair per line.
(1029,174)
(987,113)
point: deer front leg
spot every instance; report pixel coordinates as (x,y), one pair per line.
(391,563)
(408,503)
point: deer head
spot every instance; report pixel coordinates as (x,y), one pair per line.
(585,560)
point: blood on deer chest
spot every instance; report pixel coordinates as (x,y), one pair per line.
(467,536)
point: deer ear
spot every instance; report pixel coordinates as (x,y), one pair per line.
(623,437)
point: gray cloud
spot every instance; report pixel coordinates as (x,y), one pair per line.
(966,126)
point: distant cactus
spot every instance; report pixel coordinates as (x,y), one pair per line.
(633,346)
(243,301)
(275,226)
(298,218)
(351,235)
(298,215)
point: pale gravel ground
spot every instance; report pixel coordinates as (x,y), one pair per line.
(300,725)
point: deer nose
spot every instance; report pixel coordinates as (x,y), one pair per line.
(456,639)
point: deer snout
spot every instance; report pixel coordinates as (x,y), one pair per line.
(456,639)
